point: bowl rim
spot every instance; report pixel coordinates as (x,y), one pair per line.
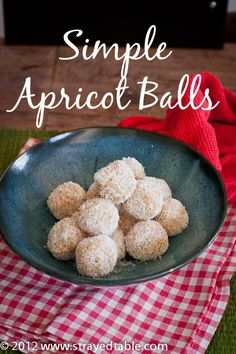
(101,282)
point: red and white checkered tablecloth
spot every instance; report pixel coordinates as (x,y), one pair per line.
(182,309)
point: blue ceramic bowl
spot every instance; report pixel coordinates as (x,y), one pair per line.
(74,156)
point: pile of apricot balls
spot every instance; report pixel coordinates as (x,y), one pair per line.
(122,211)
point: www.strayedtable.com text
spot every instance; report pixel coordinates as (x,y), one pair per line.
(96,348)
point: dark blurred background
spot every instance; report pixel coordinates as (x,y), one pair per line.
(182,23)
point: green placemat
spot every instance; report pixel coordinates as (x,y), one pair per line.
(224,340)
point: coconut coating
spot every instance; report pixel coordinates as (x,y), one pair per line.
(145,203)
(136,167)
(173,217)
(146,240)
(93,191)
(96,256)
(97,216)
(63,239)
(66,199)
(118,238)
(117,181)
(161,184)
(126,220)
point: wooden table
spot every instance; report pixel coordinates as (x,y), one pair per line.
(49,73)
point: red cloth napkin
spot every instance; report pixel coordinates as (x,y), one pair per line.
(213,133)
(181,310)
